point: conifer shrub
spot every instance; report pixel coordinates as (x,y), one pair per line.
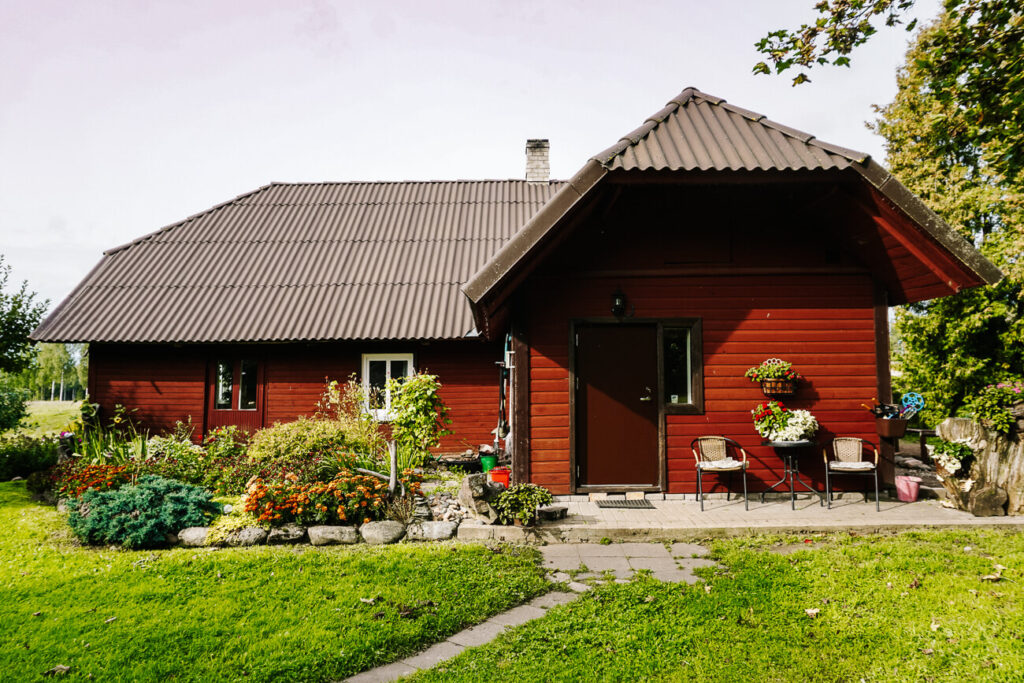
(140,515)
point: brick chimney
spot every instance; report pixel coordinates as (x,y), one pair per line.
(537,167)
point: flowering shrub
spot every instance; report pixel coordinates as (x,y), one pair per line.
(349,498)
(776,422)
(992,406)
(225,443)
(951,455)
(73,477)
(773,368)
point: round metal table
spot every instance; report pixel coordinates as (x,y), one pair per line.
(790,453)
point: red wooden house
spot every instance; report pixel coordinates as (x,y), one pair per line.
(627,301)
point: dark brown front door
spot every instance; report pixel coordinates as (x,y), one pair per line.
(617,405)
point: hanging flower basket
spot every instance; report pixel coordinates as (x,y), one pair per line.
(778,387)
(776,376)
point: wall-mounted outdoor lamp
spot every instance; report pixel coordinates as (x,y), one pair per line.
(618,303)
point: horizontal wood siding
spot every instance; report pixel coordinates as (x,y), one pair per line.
(166,383)
(161,384)
(823,324)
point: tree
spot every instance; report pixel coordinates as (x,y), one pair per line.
(950,348)
(954,137)
(972,61)
(20,313)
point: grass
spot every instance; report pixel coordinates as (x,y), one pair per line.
(892,608)
(255,614)
(47,417)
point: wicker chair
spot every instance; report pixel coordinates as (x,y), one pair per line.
(849,452)
(712,455)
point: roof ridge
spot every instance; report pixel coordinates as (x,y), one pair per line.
(690,94)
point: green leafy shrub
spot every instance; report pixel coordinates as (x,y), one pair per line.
(345,404)
(21,455)
(13,408)
(175,457)
(226,443)
(285,442)
(991,406)
(419,418)
(521,502)
(140,516)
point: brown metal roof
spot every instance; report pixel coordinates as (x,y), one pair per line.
(697,132)
(310,261)
(700,132)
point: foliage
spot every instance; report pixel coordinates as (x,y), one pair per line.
(900,607)
(951,455)
(232,518)
(992,405)
(419,417)
(349,498)
(345,404)
(140,515)
(776,422)
(773,368)
(20,313)
(521,502)
(225,443)
(13,405)
(257,614)
(21,455)
(971,61)
(286,441)
(949,349)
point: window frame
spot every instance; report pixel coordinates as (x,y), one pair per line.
(383,414)
(695,406)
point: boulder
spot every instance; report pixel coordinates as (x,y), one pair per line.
(988,502)
(333,535)
(193,537)
(287,534)
(250,535)
(431,531)
(476,495)
(382,533)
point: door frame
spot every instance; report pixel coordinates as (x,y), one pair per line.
(575,420)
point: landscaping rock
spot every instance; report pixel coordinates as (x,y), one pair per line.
(476,495)
(287,534)
(431,531)
(333,535)
(382,533)
(989,502)
(193,537)
(250,535)
(62,506)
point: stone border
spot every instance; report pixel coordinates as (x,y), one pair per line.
(371,533)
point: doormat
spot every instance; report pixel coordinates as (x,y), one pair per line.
(642,504)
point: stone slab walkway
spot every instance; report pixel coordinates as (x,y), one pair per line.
(682,520)
(569,564)
(470,637)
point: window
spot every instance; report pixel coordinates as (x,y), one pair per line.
(228,385)
(378,368)
(682,366)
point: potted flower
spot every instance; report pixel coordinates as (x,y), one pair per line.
(518,504)
(776,376)
(776,422)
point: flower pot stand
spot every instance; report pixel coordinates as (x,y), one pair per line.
(790,453)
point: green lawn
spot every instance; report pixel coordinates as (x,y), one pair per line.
(906,608)
(48,417)
(258,614)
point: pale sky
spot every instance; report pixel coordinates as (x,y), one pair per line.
(120,117)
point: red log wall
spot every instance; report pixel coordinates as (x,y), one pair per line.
(166,383)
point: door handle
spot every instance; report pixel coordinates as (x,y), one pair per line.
(647,398)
